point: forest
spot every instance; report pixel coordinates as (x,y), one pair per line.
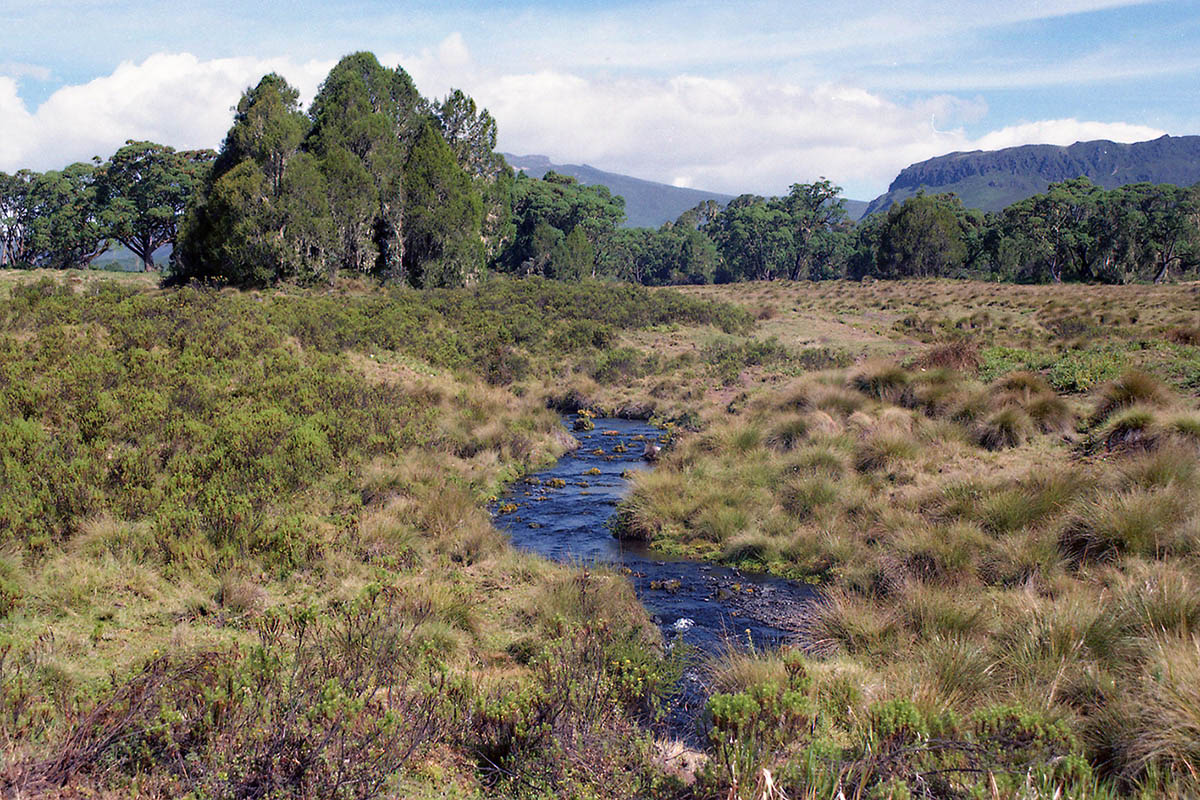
(376,180)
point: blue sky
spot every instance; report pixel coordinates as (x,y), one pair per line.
(748,96)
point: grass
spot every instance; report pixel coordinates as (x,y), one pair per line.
(1016,531)
(1000,517)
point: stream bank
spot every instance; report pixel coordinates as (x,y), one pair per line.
(563,513)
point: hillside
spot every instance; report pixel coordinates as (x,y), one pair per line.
(647,204)
(991,180)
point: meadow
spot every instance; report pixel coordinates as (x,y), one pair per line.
(246,552)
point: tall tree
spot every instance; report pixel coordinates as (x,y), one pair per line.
(268,127)
(144,188)
(443,245)
(66,229)
(563,204)
(471,134)
(17,215)
(237,211)
(817,214)
(921,238)
(375,114)
(754,237)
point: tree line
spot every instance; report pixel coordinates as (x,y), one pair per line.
(374,179)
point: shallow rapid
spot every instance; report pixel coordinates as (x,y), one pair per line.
(564,513)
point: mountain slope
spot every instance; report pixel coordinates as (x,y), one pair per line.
(647,204)
(991,180)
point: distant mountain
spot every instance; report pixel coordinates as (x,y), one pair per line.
(647,204)
(991,180)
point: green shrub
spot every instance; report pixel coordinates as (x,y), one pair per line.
(1080,370)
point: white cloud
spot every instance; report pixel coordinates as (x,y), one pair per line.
(175,99)
(1064,132)
(745,133)
(18,69)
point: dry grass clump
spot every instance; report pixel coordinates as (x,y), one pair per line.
(1155,597)
(936,392)
(960,354)
(1183,334)
(1163,466)
(880,380)
(1129,429)
(1030,393)
(1008,427)
(1051,413)
(847,622)
(885,449)
(1035,499)
(805,496)
(1150,523)
(1133,388)
(1166,730)
(787,433)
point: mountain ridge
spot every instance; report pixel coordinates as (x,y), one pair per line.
(992,179)
(648,204)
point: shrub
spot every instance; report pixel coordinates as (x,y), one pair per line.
(1080,370)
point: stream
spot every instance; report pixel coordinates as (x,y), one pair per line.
(707,606)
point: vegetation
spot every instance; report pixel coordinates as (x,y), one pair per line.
(244,550)
(375,180)
(1006,559)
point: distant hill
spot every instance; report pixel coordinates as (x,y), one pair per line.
(647,204)
(992,179)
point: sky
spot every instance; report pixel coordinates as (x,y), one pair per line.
(748,96)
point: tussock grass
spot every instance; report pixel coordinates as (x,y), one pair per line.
(1136,521)
(845,622)
(1008,427)
(881,381)
(1134,387)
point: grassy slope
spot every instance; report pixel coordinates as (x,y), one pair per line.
(1008,521)
(983,543)
(220,508)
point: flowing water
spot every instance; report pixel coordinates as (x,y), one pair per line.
(707,606)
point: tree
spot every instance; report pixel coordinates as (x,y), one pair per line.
(471,134)
(443,246)
(144,188)
(1053,235)
(17,215)
(754,238)
(563,204)
(66,231)
(817,215)
(921,238)
(267,128)
(376,115)
(238,211)
(1166,234)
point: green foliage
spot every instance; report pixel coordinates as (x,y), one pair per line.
(1081,370)
(443,217)
(560,226)
(366,183)
(143,190)
(729,357)
(923,237)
